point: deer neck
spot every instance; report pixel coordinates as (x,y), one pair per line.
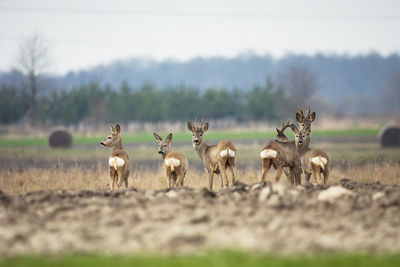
(164,155)
(303,149)
(201,150)
(118,145)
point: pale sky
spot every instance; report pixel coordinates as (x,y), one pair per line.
(84,33)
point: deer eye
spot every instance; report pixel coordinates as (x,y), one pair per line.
(302,124)
(109,137)
(297,136)
(193,135)
(201,135)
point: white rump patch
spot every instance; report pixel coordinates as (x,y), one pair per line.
(268,154)
(172,162)
(116,162)
(321,161)
(227,153)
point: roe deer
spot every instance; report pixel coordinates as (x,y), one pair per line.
(305,120)
(216,158)
(281,153)
(118,161)
(176,165)
(313,161)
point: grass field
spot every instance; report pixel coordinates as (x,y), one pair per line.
(29,164)
(218,258)
(186,137)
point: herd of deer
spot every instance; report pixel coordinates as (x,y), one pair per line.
(292,157)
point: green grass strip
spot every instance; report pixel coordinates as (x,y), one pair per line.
(186,137)
(218,258)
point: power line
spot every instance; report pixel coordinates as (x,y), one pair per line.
(198,14)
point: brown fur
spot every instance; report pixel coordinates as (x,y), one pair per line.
(287,156)
(213,162)
(302,140)
(175,175)
(121,174)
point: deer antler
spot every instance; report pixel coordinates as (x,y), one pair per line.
(294,128)
(300,111)
(201,123)
(308,112)
(285,125)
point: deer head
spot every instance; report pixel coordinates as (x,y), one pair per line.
(305,120)
(163,145)
(113,140)
(281,137)
(197,131)
(301,136)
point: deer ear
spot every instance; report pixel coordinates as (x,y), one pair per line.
(157,137)
(299,118)
(169,138)
(279,132)
(205,127)
(117,128)
(312,117)
(190,126)
(112,128)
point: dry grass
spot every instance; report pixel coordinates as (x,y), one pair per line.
(15,182)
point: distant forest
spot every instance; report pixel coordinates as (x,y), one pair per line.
(245,87)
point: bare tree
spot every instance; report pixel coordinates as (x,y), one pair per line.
(300,84)
(33,58)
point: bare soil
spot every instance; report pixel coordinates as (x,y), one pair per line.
(346,216)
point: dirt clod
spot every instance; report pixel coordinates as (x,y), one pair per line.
(263,217)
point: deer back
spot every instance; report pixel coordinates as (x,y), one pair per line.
(314,156)
(225,149)
(176,161)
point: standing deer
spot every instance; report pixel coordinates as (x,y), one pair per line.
(118,161)
(216,158)
(313,161)
(304,122)
(176,165)
(281,153)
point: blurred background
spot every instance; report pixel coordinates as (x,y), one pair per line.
(84,64)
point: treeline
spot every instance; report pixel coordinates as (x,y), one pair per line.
(93,103)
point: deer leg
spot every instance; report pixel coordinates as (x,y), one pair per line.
(221,180)
(222,169)
(232,169)
(326,174)
(169,175)
(266,164)
(317,174)
(297,171)
(307,176)
(210,179)
(179,178)
(287,172)
(112,178)
(126,176)
(119,173)
(279,171)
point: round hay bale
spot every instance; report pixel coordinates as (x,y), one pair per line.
(60,138)
(389,136)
